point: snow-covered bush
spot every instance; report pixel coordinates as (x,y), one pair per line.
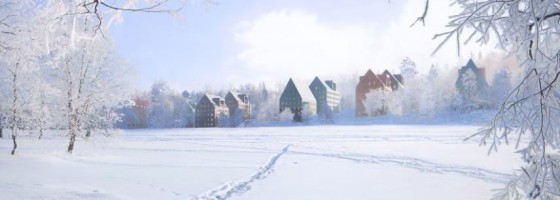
(381,102)
(286,116)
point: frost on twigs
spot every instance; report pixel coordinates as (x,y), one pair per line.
(530,113)
(103,12)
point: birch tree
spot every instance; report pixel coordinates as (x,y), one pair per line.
(90,77)
(19,52)
(93,84)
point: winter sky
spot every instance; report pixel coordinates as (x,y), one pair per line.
(226,43)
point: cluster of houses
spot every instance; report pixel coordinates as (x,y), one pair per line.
(317,98)
(214,111)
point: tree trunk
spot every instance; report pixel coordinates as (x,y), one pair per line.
(71,144)
(1,125)
(42,123)
(73,131)
(88,133)
(14,109)
(40,133)
(15,143)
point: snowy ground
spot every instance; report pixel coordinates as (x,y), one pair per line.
(317,162)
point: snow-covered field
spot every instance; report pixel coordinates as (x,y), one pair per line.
(315,162)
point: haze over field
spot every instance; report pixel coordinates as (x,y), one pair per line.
(231,43)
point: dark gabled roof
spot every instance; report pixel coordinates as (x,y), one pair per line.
(327,87)
(210,97)
(317,80)
(235,96)
(369,72)
(375,76)
(395,79)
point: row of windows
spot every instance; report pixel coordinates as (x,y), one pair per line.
(205,124)
(290,103)
(208,106)
(205,114)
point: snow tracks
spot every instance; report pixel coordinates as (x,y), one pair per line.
(413,163)
(226,191)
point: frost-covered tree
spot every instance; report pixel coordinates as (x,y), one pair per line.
(223,120)
(307,113)
(373,103)
(236,117)
(528,29)
(161,107)
(264,104)
(41,114)
(408,68)
(183,112)
(63,45)
(136,115)
(380,102)
(413,91)
(91,79)
(160,112)
(93,84)
(19,60)
(501,85)
(468,99)
(347,88)
(286,116)
(441,95)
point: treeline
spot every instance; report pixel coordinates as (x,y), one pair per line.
(162,107)
(421,96)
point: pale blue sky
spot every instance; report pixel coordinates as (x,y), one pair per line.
(235,42)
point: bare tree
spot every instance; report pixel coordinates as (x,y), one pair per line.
(80,53)
(19,60)
(68,38)
(93,84)
(529,116)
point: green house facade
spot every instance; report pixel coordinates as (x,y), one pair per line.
(326,96)
(297,98)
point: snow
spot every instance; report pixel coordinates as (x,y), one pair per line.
(304,162)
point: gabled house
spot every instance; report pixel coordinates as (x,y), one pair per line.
(211,111)
(239,108)
(297,98)
(471,83)
(326,95)
(393,81)
(371,81)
